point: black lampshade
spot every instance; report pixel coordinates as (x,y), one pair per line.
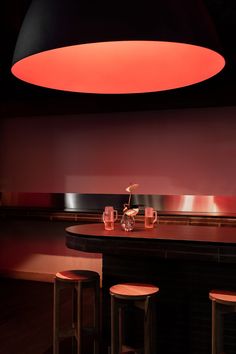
(117,47)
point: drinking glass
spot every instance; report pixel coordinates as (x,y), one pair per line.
(109,216)
(150,217)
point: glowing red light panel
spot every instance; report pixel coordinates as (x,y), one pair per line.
(120,67)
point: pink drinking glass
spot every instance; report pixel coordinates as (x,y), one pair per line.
(109,216)
(150,217)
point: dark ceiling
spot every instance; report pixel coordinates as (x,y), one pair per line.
(18,98)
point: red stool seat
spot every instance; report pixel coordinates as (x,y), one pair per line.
(223,297)
(77,275)
(133,290)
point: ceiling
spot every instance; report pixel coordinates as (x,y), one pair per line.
(18,98)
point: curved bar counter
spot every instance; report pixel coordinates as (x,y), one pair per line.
(184,261)
(214,243)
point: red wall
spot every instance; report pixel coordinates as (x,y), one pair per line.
(166,152)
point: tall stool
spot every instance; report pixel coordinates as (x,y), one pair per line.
(142,296)
(222,302)
(77,281)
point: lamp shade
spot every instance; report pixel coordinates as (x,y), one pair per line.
(116,47)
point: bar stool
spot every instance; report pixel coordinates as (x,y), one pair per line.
(222,302)
(76,281)
(142,296)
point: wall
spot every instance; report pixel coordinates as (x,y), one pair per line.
(36,250)
(166,152)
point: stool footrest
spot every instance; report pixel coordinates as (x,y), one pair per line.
(89,330)
(129,350)
(66,333)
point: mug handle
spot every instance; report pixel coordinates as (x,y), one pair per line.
(155,216)
(115,215)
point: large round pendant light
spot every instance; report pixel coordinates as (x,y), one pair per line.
(116,47)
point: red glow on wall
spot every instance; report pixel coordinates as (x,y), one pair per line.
(120,67)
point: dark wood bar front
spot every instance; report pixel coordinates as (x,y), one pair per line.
(184,261)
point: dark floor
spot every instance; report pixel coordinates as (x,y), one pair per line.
(26,318)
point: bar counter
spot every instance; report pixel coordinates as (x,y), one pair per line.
(184,261)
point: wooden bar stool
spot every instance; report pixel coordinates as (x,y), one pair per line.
(77,281)
(222,302)
(142,296)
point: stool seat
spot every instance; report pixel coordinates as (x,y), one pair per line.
(223,297)
(77,275)
(133,290)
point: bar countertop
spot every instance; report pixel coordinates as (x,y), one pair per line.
(212,234)
(168,241)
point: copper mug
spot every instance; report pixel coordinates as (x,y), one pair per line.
(109,216)
(150,217)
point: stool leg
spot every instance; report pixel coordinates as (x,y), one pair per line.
(121,327)
(74,306)
(153,325)
(56,307)
(115,345)
(74,318)
(79,319)
(217,329)
(97,317)
(147,327)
